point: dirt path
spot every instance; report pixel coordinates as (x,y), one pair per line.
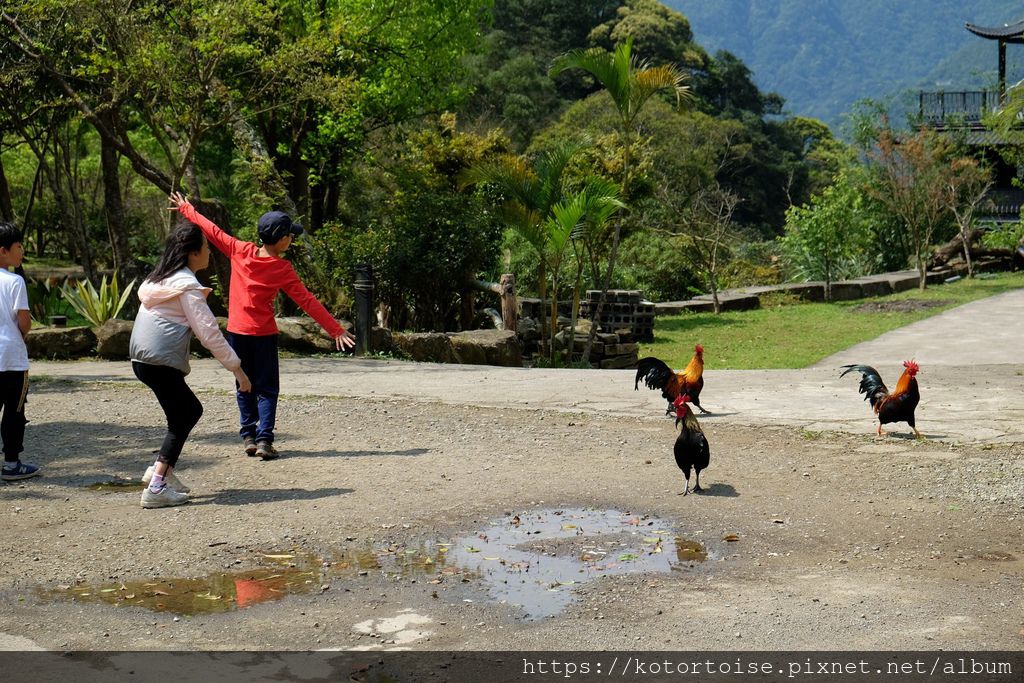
(843,541)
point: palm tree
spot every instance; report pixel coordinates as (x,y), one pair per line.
(574,220)
(630,83)
(538,207)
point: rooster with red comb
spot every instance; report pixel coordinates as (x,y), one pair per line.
(656,374)
(691,448)
(895,406)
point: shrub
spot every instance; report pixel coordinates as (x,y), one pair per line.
(1006,236)
(97,305)
(46,299)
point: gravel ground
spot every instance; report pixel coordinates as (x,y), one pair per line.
(815,540)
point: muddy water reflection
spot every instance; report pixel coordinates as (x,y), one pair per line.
(532,560)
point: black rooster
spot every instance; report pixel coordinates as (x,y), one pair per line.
(691,448)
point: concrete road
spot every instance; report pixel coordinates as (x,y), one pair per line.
(972,381)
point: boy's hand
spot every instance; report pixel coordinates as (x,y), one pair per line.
(345,340)
(244,385)
(177,200)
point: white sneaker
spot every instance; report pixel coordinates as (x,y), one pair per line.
(165,498)
(169,479)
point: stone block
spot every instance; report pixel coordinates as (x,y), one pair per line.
(113,338)
(60,342)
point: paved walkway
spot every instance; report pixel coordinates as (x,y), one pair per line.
(972,382)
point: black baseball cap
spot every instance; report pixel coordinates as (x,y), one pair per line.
(274,225)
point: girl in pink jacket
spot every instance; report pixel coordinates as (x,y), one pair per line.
(173,308)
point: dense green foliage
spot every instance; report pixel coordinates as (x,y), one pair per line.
(363,117)
(830,239)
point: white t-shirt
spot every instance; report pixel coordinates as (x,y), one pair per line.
(13,298)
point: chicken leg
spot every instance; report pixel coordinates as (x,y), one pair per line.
(696,402)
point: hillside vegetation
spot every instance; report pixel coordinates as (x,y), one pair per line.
(824,56)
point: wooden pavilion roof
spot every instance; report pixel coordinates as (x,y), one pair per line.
(1007,33)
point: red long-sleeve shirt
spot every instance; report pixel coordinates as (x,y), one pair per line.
(255,281)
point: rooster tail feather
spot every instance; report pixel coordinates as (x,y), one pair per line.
(871,384)
(653,371)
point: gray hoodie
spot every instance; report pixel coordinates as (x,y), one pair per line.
(171,310)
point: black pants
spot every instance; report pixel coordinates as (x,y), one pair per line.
(180,405)
(13,389)
(257,409)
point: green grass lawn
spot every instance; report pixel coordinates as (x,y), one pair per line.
(786,334)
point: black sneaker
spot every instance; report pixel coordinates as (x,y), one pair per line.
(266,450)
(249,444)
(19,470)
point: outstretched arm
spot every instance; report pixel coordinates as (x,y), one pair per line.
(217,237)
(294,288)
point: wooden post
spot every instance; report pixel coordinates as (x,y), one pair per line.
(506,289)
(509,304)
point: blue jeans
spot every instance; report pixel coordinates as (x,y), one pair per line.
(257,409)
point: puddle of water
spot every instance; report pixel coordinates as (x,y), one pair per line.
(208,595)
(532,561)
(290,573)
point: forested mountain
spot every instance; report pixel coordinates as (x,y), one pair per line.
(391,128)
(824,55)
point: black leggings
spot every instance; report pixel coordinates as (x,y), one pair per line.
(13,387)
(180,405)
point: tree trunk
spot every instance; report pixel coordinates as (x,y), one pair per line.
(828,281)
(113,207)
(36,190)
(6,209)
(467,309)
(70,205)
(221,263)
(595,320)
(960,243)
(331,202)
(542,290)
(967,251)
(248,141)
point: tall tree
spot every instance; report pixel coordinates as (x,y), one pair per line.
(908,177)
(631,84)
(827,239)
(967,185)
(550,216)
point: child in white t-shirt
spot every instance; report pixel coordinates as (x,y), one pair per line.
(15,323)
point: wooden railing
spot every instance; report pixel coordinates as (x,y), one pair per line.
(1002,205)
(957,108)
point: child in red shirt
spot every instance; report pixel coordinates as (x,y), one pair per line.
(257,274)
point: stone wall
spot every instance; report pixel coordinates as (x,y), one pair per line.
(298,335)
